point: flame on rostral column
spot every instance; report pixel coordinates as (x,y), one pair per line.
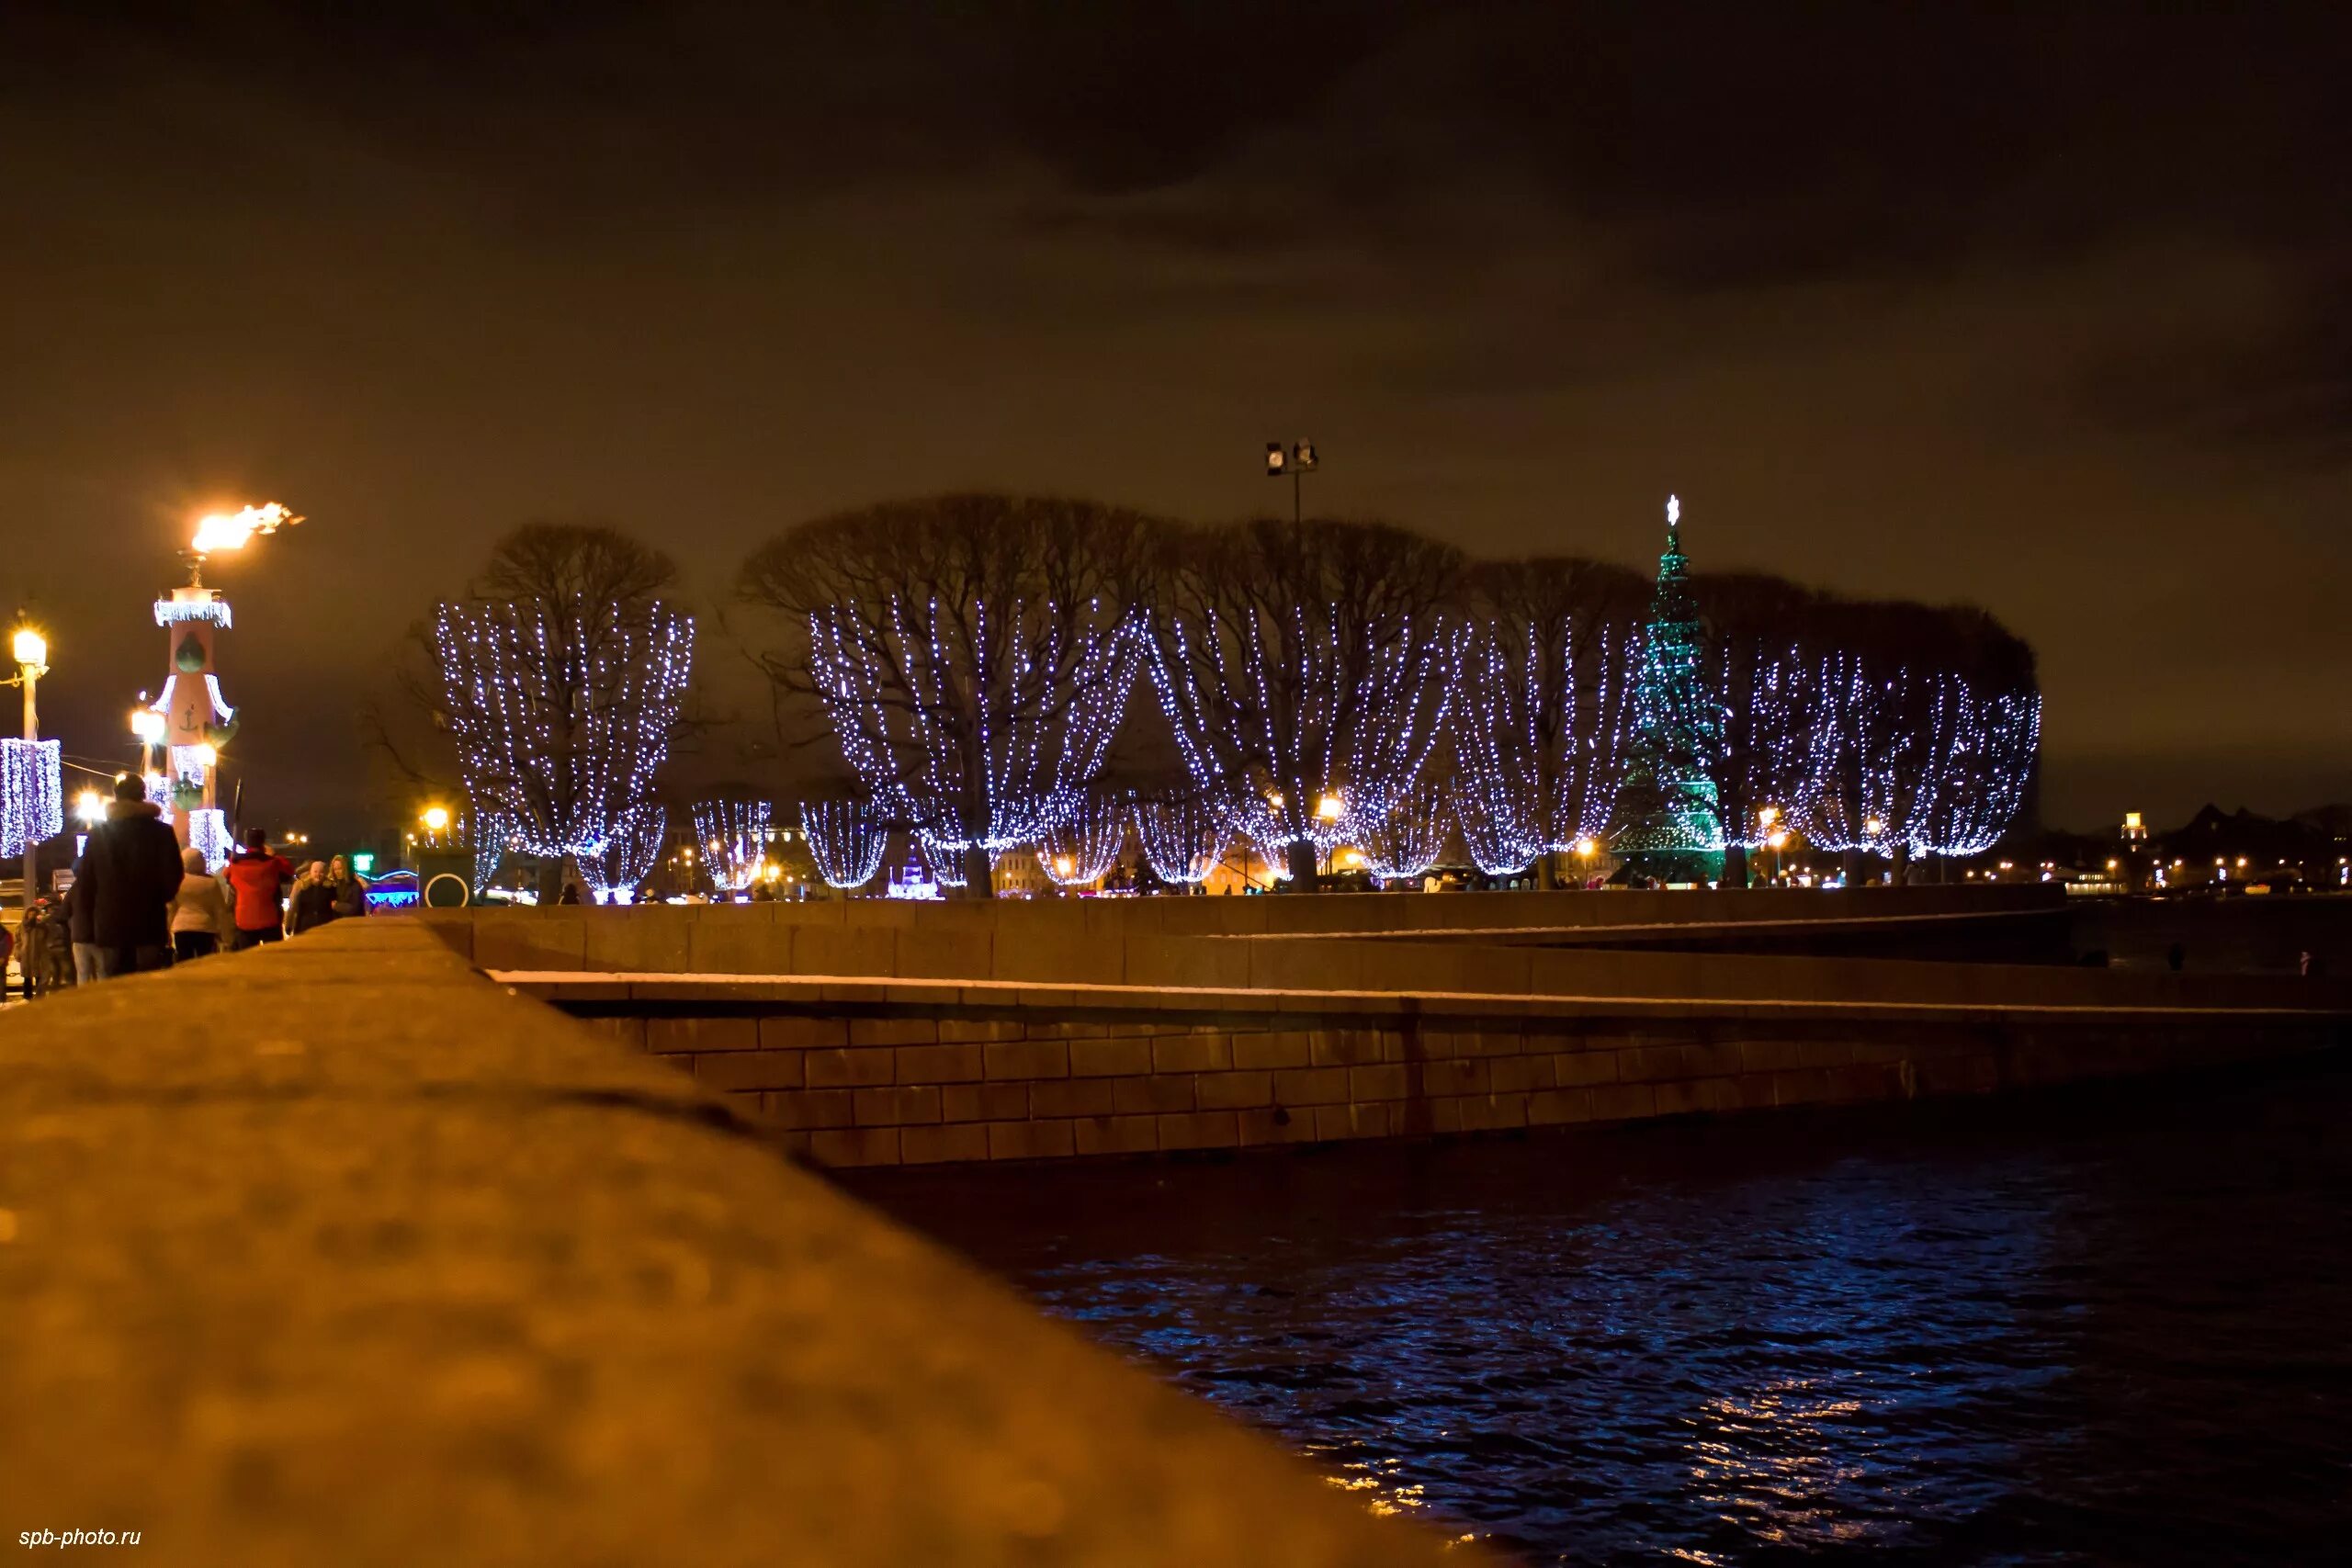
(230,530)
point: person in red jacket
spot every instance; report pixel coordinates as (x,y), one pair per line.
(257,879)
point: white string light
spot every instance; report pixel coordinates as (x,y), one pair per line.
(847,839)
(733,836)
(562,714)
(1183,838)
(1082,843)
(32,799)
(1412,840)
(1307,726)
(979,725)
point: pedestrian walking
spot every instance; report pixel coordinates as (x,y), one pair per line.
(78,940)
(313,903)
(350,889)
(32,948)
(200,920)
(257,880)
(571,893)
(129,875)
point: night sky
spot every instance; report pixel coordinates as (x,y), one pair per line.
(2048,311)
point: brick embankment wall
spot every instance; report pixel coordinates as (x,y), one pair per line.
(875,1075)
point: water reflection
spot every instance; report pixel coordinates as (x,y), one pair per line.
(2015,1332)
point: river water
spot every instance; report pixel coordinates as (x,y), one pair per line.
(2101,1327)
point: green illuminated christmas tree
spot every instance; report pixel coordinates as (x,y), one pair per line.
(1672,831)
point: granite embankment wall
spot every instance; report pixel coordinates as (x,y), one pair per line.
(873,1034)
(334,1253)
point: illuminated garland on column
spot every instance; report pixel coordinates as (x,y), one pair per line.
(1413,838)
(980,726)
(1084,843)
(733,836)
(1269,719)
(208,831)
(847,839)
(32,803)
(562,720)
(1183,838)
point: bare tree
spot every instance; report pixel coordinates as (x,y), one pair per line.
(1764,673)
(731,834)
(973,653)
(561,682)
(1414,836)
(1081,846)
(1541,721)
(847,839)
(1183,837)
(1925,733)
(1305,670)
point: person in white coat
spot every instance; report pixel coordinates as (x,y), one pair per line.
(200,911)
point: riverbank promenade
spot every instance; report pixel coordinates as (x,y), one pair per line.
(347,1251)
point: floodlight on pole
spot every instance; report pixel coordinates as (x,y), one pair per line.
(1296,460)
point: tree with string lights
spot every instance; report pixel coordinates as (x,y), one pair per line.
(847,839)
(1541,722)
(1763,669)
(1082,843)
(562,682)
(1183,837)
(627,855)
(972,654)
(732,835)
(1306,669)
(1413,837)
(1923,735)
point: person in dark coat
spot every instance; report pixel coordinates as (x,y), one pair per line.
(129,874)
(32,947)
(78,940)
(313,901)
(350,890)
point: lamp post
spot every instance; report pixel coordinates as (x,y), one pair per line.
(30,650)
(1297,461)
(148,726)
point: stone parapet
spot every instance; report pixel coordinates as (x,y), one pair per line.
(334,1253)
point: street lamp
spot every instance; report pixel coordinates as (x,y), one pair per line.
(1777,838)
(150,728)
(90,809)
(30,649)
